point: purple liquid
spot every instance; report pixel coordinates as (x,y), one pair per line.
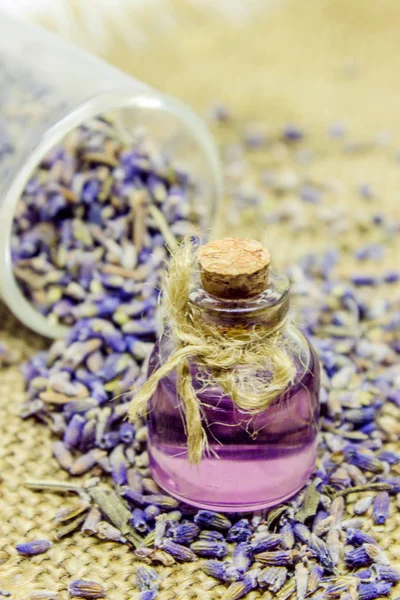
(260,460)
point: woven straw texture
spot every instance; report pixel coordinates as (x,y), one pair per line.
(305,62)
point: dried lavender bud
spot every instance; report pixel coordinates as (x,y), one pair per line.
(207,518)
(267,542)
(133,497)
(74,430)
(337,510)
(279,558)
(355,523)
(84,588)
(151,512)
(241,557)
(341,585)
(321,527)
(301,577)
(368,591)
(357,558)
(135,481)
(33,548)
(184,533)
(365,460)
(387,574)
(321,550)
(315,577)
(66,514)
(209,549)
(106,531)
(147,595)
(356,537)
(211,536)
(363,574)
(287,590)
(85,462)
(119,466)
(376,554)
(334,545)
(179,552)
(356,475)
(146,578)
(238,589)
(89,526)
(216,569)
(161,501)
(287,536)
(380,509)
(273,577)
(362,505)
(138,520)
(126,433)
(62,455)
(301,532)
(390,457)
(239,532)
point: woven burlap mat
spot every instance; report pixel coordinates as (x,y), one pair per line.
(307,62)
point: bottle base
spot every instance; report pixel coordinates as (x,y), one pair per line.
(233,484)
(227,507)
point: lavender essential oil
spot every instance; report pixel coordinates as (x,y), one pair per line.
(253,458)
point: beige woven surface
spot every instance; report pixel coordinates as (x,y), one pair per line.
(311,63)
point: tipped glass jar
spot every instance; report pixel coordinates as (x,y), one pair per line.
(50,90)
(253,460)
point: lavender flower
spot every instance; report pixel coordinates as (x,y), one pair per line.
(287,536)
(357,537)
(85,588)
(239,532)
(368,591)
(216,569)
(321,550)
(241,557)
(267,542)
(315,577)
(139,521)
(357,558)
(184,533)
(74,431)
(147,595)
(387,573)
(238,589)
(209,549)
(273,577)
(279,558)
(33,548)
(146,578)
(179,552)
(207,518)
(381,508)
(211,536)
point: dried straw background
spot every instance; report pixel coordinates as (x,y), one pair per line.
(306,62)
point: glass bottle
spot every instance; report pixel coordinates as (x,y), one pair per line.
(48,88)
(255,461)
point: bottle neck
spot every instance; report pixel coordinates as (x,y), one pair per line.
(267,310)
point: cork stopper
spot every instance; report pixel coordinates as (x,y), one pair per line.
(234,268)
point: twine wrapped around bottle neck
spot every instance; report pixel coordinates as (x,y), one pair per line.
(225,361)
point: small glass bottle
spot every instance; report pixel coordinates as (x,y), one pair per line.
(255,461)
